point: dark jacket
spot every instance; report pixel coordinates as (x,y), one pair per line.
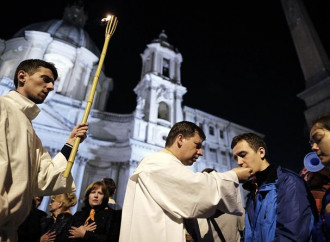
(321,230)
(104,219)
(30,229)
(283,208)
(117,210)
(60,226)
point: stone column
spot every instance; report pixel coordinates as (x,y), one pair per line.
(39,42)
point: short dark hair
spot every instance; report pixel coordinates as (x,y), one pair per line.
(31,66)
(186,128)
(111,185)
(323,121)
(208,170)
(93,186)
(254,141)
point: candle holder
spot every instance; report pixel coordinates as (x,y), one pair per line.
(111,21)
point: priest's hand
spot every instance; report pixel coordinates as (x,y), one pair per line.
(243,173)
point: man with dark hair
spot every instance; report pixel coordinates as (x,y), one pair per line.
(162,191)
(112,188)
(279,207)
(26,168)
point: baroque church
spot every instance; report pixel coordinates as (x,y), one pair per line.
(116,142)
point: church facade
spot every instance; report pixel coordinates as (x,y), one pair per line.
(116,142)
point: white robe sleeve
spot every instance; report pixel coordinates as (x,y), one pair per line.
(50,174)
(4,165)
(186,194)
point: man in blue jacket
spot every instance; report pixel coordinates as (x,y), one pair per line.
(279,206)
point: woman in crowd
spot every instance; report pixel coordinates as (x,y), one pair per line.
(56,226)
(320,143)
(95,221)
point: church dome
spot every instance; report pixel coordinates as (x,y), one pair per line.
(69,30)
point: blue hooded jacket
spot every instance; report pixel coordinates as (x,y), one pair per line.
(282,211)
(321,230)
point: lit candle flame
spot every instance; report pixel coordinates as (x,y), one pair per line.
(107,18)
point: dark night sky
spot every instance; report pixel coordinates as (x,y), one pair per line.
(239,61)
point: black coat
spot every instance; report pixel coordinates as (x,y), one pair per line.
(61,226)
(30,229)
(117,221)
(105,222)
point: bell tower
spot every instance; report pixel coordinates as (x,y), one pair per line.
(159,92)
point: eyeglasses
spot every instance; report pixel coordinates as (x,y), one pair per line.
(317,137)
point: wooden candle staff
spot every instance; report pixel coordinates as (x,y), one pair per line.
(110,29)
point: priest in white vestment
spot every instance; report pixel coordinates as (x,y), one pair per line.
(162,191)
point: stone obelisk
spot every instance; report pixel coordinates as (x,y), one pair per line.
(312,57)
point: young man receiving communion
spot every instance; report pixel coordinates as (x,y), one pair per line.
(279,206)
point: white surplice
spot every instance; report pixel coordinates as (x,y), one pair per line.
(162,191)
(26,168)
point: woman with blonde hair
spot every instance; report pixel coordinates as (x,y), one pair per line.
(56,226)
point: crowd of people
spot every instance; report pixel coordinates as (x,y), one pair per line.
(96,221)
(164,201)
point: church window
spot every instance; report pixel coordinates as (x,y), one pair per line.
(224,158)
(163,111)
(211,130)
(166,66)
(221,134)
(213,154)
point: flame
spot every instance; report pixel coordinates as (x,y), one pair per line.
(107,19)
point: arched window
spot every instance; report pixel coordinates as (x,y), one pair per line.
(163,111)
(166,67)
